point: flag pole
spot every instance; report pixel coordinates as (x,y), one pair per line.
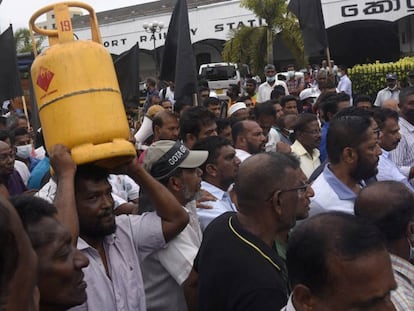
(25,111)
(328,56)
(195,99)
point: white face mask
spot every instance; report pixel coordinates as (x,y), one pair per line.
(339,74)
(270,79)
(290,74)
(24,151)
(393,88)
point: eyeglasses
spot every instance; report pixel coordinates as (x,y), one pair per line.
(300,190)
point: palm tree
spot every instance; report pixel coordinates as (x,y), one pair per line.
(247,47)
(24,42)
(273,12)
(250,44)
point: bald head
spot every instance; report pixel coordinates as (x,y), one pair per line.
(4,146)
(260,175)
(165,125)
(389,205)
(391,104)
(318,240)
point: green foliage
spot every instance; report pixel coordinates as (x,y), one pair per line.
(24,42)
(273,11)
(370,78)
(248,46)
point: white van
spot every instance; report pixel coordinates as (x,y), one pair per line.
(221,75)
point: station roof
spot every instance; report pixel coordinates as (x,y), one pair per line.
(135,11)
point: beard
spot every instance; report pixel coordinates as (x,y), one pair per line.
(252,149)
(100,229)
(409,116)
(190,195)
(364,169)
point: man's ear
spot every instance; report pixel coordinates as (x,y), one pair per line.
(175,184)
(349,155)
(211,170)
(302,298)
(156,130)
(240,141)
(190,140)
(410,230)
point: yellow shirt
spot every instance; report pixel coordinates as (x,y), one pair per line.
(308,162)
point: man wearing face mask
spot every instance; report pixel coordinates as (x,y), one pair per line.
(21,140)
(390,206)
(294,84)
(266,88)
(390,92)
(345,84)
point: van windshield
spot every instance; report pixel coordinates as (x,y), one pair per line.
(219,73)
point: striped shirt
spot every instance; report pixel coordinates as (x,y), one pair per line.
(403,296)
(403,155)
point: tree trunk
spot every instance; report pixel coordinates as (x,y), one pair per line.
(269,44)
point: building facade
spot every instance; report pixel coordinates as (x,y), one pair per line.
(50,22)
(358,30)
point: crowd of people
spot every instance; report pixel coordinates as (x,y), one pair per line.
(292,195)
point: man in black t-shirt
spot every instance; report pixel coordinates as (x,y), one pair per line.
(237,266)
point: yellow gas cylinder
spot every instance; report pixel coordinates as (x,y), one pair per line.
(77,91)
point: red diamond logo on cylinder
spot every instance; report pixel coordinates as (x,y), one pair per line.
(44,78)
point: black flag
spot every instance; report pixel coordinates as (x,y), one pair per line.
(312,24)
(178,63)
(127,71)
(10,86)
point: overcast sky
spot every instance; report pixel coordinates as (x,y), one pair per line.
(18,12)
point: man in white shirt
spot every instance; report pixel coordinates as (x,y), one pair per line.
(115,246)
(387,121)
(345,84)
(391,91)
(403,155)
(168,92)
(219,172)
(266,88)
(353,153)
(165,270)
(248,139)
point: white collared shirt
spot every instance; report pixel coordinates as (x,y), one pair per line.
(331,194)
(221,205)
(403,155)
(166,269)
(135,238)
(242,155)
(265,89)
(387,170)
(385,94)
(289,306)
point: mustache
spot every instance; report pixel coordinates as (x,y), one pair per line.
(106,213)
